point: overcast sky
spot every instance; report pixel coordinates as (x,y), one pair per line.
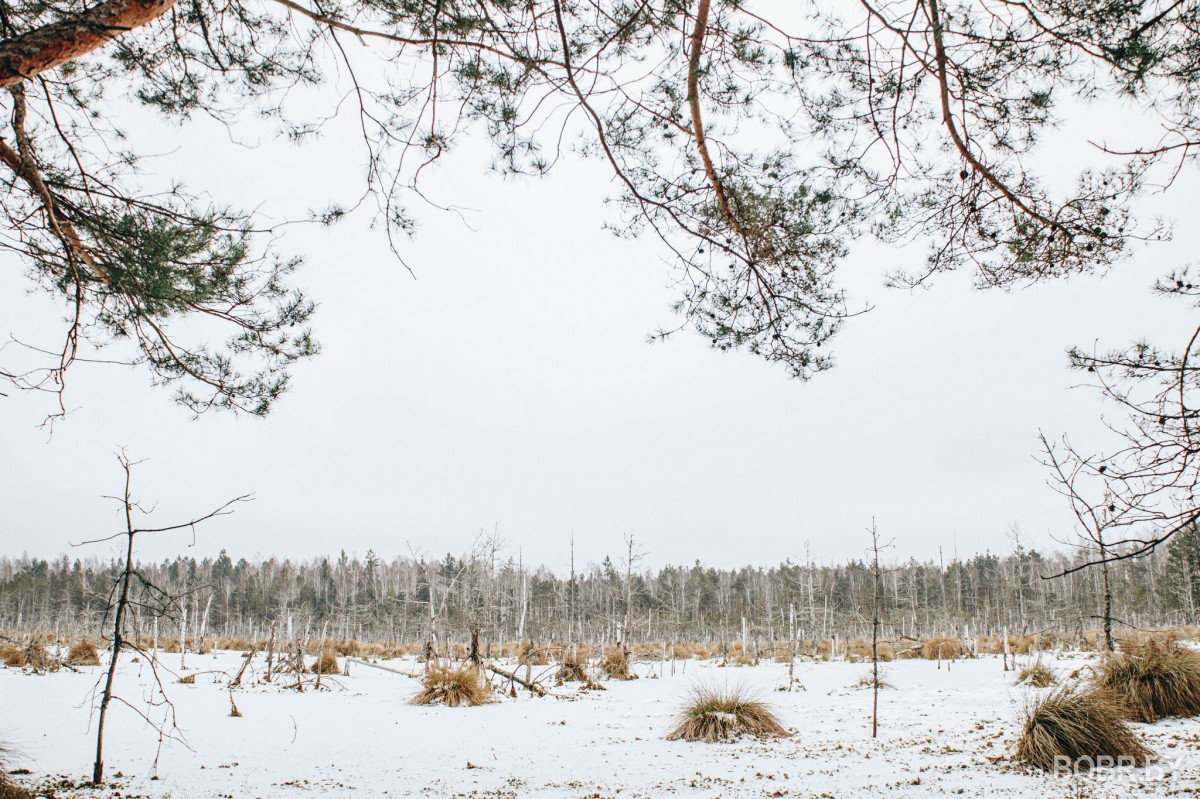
(510,386)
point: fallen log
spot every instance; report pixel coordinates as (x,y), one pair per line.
(532,687)
(383,668)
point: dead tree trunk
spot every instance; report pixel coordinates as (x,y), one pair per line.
(877,575)
(123,601)
(529,685)
(1108,615)
(118,626)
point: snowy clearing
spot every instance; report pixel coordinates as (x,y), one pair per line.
(942,732)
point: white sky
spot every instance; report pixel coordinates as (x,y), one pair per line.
(511,385)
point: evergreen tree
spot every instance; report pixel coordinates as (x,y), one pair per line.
(756,146)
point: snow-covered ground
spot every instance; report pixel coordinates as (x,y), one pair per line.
(942,732)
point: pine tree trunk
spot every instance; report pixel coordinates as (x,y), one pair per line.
(26,56)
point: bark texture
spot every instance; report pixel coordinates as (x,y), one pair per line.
(30,54)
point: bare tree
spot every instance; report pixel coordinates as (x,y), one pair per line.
(633,555)
(124,600)
(1093,517)
(876,598)
(1150,479)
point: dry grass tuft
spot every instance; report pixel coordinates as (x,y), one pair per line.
(942,648)
(616,665)
(234,644)
(460,686)
(533,656)
(353,649)
(326,663)
(398,651)
(859,651)
(1037,675)
(1154,679)
(8,788)
(83,653)
(571,669)
(31,656)
(1077,729)
(714,714)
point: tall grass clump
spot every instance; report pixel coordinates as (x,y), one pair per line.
(858,651)
(942,648)
(1037,675)
(83,653)
(31,656)
(616,665)
(8,788)
(714,714)
(571,669)
(453,686)
(1154,679)
(1076,729)
(531,655)
(326,663)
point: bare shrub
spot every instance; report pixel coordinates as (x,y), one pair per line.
(714,714)
(1037,675)
(83,653)
(454,686)
(1077,729)
(867,681)
(1154,679)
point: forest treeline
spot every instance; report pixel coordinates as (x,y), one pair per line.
(494,596)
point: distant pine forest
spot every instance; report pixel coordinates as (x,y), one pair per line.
(490,596)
